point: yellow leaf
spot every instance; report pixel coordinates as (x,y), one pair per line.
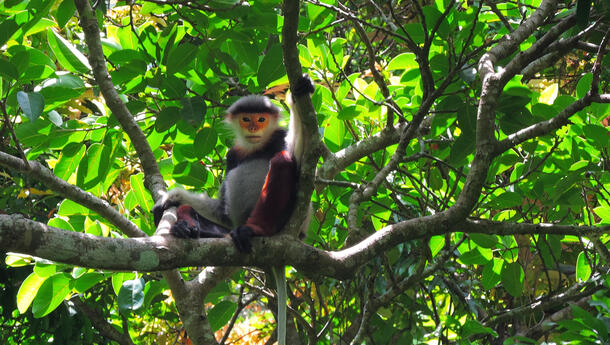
(549,94)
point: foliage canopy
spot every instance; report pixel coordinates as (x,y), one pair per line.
(458,168)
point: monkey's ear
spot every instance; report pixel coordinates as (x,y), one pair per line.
(304,86)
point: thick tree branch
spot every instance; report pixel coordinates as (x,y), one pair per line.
(153,179)
(190,313)
(522,59)
(157,253)
(510,43)
(311,139)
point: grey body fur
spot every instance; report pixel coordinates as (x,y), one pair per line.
(242,188)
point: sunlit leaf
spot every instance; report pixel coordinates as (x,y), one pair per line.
(141,193)
(51,294)
(583,269)
(67,55)
(28,290)
(548,95)
(69,159)
(221,313)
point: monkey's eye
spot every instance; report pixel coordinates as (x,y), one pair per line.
(245,119)
(261,119)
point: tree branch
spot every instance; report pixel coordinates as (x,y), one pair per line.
(99,322)
(153,179)
(157,253)
(69,191)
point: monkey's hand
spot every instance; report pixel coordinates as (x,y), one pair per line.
(182,229)
(242,237)
(160,207)
(173,198)
(304,86)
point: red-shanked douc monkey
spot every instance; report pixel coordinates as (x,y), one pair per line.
(258,193)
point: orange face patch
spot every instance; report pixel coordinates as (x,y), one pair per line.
(253,123)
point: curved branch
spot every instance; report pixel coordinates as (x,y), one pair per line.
(544,127)
(351,154)
(98,320)
(72,192)
(153,179)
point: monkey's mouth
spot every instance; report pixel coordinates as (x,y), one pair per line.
(253,138)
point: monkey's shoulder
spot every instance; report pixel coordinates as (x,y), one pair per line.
(277,143)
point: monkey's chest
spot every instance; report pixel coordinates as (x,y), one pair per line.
(243,185)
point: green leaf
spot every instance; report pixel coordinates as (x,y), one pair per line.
(416,32)
(65,12)
(512,278)
(221,313)
(67,55)
(579,165)
(544,111)
(472,327)
(484,240)
(32,104)
(88,173)
(490,276)
(45,269)
(600,135)
(218,293)
(17,260)
(125,56)
(193,111)
(436,244)
(334,133)
(119,278)
(153,289)
(181,57)
(584,85)
(475,257)
(349,112)
(70,208)
(28,291)
(461,148)
(403,61)
(167,118)
(603,212)
(60,224)
(69,159)
(7,30)
(173,87)
(205,141)
(506,200)
(51,294)
(55,118)
(467,119)
(583,270)
(8,71)
(131,295)
(141,193)
(272,66)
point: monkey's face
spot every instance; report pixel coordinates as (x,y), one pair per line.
(255,128)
